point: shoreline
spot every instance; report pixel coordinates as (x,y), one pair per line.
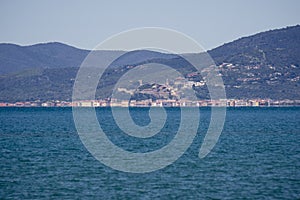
(271,106)
(110,102)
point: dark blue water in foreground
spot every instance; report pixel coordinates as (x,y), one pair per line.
(257,157)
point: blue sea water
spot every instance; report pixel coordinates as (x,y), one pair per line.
(256,157)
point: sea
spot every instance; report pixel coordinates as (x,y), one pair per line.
(257,156)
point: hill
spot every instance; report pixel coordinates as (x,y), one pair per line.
(14,58)
(278,47)
(265,65)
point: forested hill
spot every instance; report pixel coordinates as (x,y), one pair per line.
(280,47)
(14,58)
(264,65)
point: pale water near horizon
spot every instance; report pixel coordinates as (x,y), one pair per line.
(256,157)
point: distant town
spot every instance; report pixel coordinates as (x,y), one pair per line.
(170,94)
(156,103)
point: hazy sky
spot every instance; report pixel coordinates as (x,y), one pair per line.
(84,24)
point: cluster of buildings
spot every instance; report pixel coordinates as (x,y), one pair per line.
(156,103)
(173,93)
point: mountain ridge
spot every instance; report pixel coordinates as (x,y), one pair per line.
(264,65)
(279,41)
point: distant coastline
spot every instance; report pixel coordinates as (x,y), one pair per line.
(157,103)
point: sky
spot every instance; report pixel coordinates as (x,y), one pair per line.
(84,24)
